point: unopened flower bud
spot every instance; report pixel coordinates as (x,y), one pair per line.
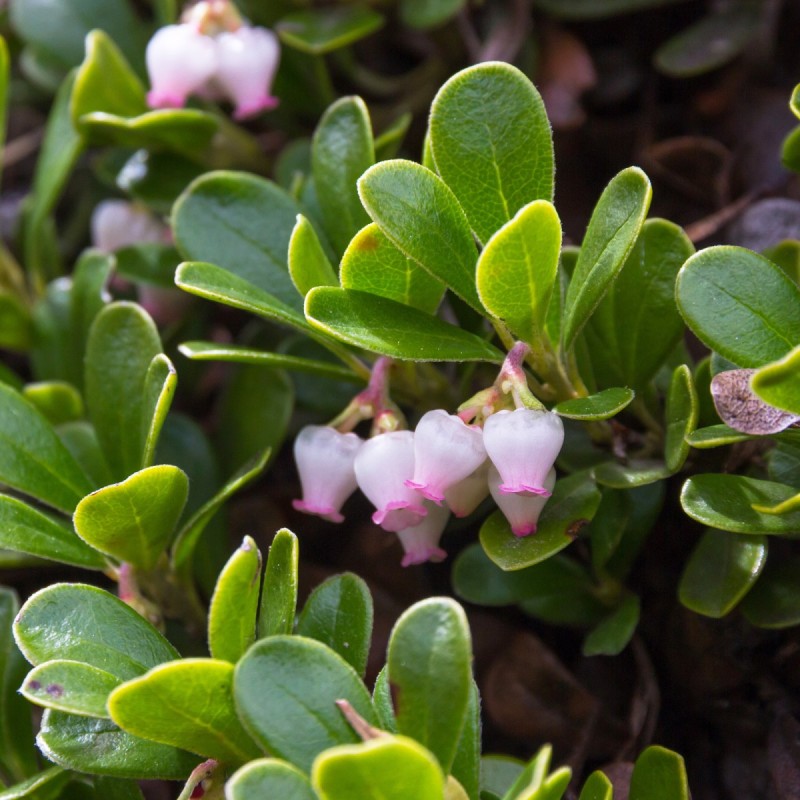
(521,510)
(117,223)
(465,496)
(421,542)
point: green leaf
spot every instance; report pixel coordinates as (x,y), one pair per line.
(286,688)
(421,216)
(382,700)
(243,224)
(715,436)
(659,774)
(533,775)
(341,151)
(308,264)
(339,614)
(636,326)
(232,613)
(393,329)
(637,472)
(790,151)
(779,383)
(59,401)
(160,383)
(786,255)
(326,29)
(597,787)
(5,75)
(681,417)
(467,763)
(123,342)
(611,636)
(517,270)
(196,696)
(371,263)
(279,587)
(774,602)
(591,9)
(498,773)
(269,777)
(24,529)
(105,82)
(726,502)
(602,405)
(428,13)
(739,304)
(492,144)
(784,463)
(133,521)
(99,747)
(47,785)
(70,686)
(429,666)
(613,228)
(32,458)
(84,623)
(391,138)
(574,501)
(386,768)
(721,571)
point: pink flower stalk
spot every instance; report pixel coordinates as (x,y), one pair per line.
(523,444)
(383,465)
(117,223)
(465,496)
(421,542)
(521,510)
(247,60)
(180,60)
(446,450)
(324,459)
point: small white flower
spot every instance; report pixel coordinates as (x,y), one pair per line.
(521,510)
(324,459)
(117,223)
(421,542)
(465,496)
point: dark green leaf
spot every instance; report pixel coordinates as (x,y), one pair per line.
(498,773)
(774,602)
(382,700)
(279,588)
(47,785)
(466,767)
(659,774)
(603,405)
(391,138)
(715,436)
(269,777)
(681,417)
(322,30)
(428,13)
(611,636)
(70,686)
(784,463)
(627,476)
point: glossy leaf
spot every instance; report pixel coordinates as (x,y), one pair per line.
(371,263)
(390,328)
(740,305)
(681,417)
(429,669)
(774,601)
(574,501)
(47,785)
(195,695)
(467,763)
(611,636)
(602,405)
(339,613)
(613,228)
(721,571)
(715,436)
(243,224)
(421,216)
(323,30)
(232,613)
(533,775)
(70,686)
(286,688)
(779,384)
(492,144)
(24,529)
(597,787)
(386,768)
(633,474)
(308,264)
(99,747)
(659,774)
(517,269)
(84,623)
(134,520)
(279,588)
(341,151)
(269,777)
(726,502)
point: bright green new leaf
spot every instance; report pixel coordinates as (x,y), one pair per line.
(279,587)
(286,688)
(232,613)
(32,458)
(84,623)
(187,704)
(371,263)
(721,570)
(386,768)
(517,270)
(134,520)
(784,507)
(269,777)
(779,384)
(602,405)
(774,601)
(659,774)
(597,787)
(611,636)
(71,686)
(308,264)
(421,216)
(739,304)
(681,417)
(25,529)
(160,382)
(47,785)
(533,775)
(429,667)
(323,30)
(341,151)
(390,328)
(339,613)
(613,228)
(492,144)
(552,788)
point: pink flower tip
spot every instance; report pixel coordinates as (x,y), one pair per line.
(326,512)
(250,109)
(157,99)
(426,491)
(524,489)
(422,555)
(398,515)
(521,531)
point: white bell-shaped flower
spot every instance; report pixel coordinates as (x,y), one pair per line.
(117,223)
(247,62)
(465,496)
(421,542)
(180,60)
(523,444)
(324,459)
(446,450)
(521,510)
(383,465)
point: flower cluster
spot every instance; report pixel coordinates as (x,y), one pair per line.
(214,55)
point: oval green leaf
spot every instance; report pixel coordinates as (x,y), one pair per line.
(269,777)
(611,636)
(597,787)
(779,384)
(715,436)
(659,774)
(279,588)
(602,405)
(322,30)
(680,417)
(308,264)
